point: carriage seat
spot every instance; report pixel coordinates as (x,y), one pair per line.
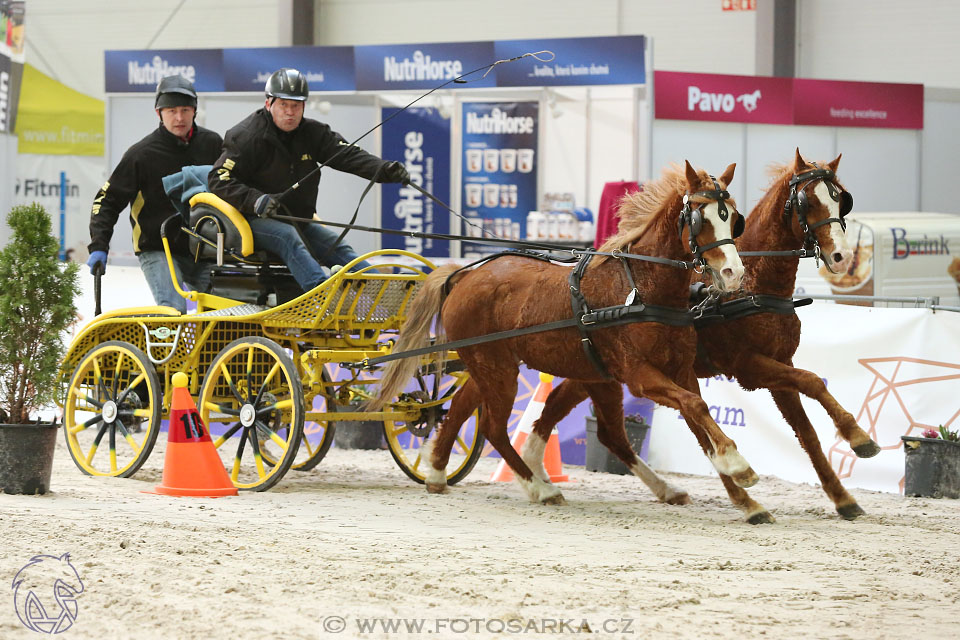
(241,272)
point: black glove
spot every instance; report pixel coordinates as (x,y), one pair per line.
(395,172)
(266,206)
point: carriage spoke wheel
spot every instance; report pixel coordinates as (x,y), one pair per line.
(252,402)
(404,439)
(317,436)
(111,414)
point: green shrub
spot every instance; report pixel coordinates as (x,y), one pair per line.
(36,308)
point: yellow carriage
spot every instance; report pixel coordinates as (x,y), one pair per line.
(270,381)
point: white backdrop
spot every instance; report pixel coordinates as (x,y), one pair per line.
(896,370)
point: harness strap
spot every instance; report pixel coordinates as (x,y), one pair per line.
(720,312)
(581,309)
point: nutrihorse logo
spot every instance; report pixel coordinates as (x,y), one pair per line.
(45,594)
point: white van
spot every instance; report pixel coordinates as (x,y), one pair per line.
(902,254)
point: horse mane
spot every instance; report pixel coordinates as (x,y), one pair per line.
(635,211)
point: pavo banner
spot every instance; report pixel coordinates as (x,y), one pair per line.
(420,138)
(11,61)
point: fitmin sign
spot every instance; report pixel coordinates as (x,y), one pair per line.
(699,96)
(721,98)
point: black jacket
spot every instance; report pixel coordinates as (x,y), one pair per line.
(137,182)
(259,158)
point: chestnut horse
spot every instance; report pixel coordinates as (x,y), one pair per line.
(758,349)
(651,358)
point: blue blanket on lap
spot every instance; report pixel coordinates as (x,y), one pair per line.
(185,184)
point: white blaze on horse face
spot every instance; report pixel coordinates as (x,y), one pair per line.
(841,255)
(731,269)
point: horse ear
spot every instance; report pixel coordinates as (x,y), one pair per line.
(692,178)
(798,162)
(727,176)
(836,163)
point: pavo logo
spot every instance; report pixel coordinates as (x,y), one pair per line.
(45,594)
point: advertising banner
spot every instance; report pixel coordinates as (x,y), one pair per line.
(897,374)
(858,104)
(499,170)
(326,68)
(11,61)
(722,98)
(38,179)
(420,138)
(422,66)
(578,61)
(140,71)
(55,119)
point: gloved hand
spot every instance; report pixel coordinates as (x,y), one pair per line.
(266,206)
(97,257)
(395,172)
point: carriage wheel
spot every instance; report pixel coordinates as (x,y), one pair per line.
(317,437)
(252,402)
(114,391)
(404,439)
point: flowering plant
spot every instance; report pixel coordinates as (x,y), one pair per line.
(943,433)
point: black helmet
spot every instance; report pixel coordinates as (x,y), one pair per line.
(175,91)
(288,84)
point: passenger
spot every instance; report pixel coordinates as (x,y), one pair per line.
(136,182)
(269,151)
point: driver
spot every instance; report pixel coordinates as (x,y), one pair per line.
(272,149)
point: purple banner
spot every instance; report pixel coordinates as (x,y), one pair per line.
(721,98)
(858,104)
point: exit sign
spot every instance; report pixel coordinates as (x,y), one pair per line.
(738,5)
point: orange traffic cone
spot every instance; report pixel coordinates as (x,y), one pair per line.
(551,455)
(192,466)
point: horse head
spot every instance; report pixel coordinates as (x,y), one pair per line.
(709,222)
(819,204)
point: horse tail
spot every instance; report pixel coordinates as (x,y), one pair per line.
(414,333)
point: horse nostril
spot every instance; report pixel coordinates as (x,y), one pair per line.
(727,273)
(838,257)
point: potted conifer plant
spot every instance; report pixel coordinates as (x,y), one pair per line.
(36,308)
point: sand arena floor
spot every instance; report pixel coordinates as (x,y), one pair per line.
(342,550)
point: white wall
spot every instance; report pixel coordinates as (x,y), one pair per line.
(66,39)
(879,40)
(940,160)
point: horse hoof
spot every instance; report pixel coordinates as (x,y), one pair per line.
(867,450)
(761,517)
(556,500)
(437,488)
(677,497)
(746,478)
(850,511)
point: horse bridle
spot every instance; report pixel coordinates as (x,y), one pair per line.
(692,216)
(798,202)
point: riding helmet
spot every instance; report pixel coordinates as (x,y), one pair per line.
(175,91)
(288,84)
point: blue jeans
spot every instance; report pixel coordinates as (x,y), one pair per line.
(154,267)
(282,239)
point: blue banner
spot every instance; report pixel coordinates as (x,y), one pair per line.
(326,68)
(140,71)
(422,66)
(499,170)
(420,138)
(578,61)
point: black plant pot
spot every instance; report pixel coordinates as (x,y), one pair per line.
(932,467)
(361,434)
(599,458)
(26,457)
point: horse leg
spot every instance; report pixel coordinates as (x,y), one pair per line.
(792,410)
(437,450)
(776,375)
(651,383)
(608,402)
(561,401)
